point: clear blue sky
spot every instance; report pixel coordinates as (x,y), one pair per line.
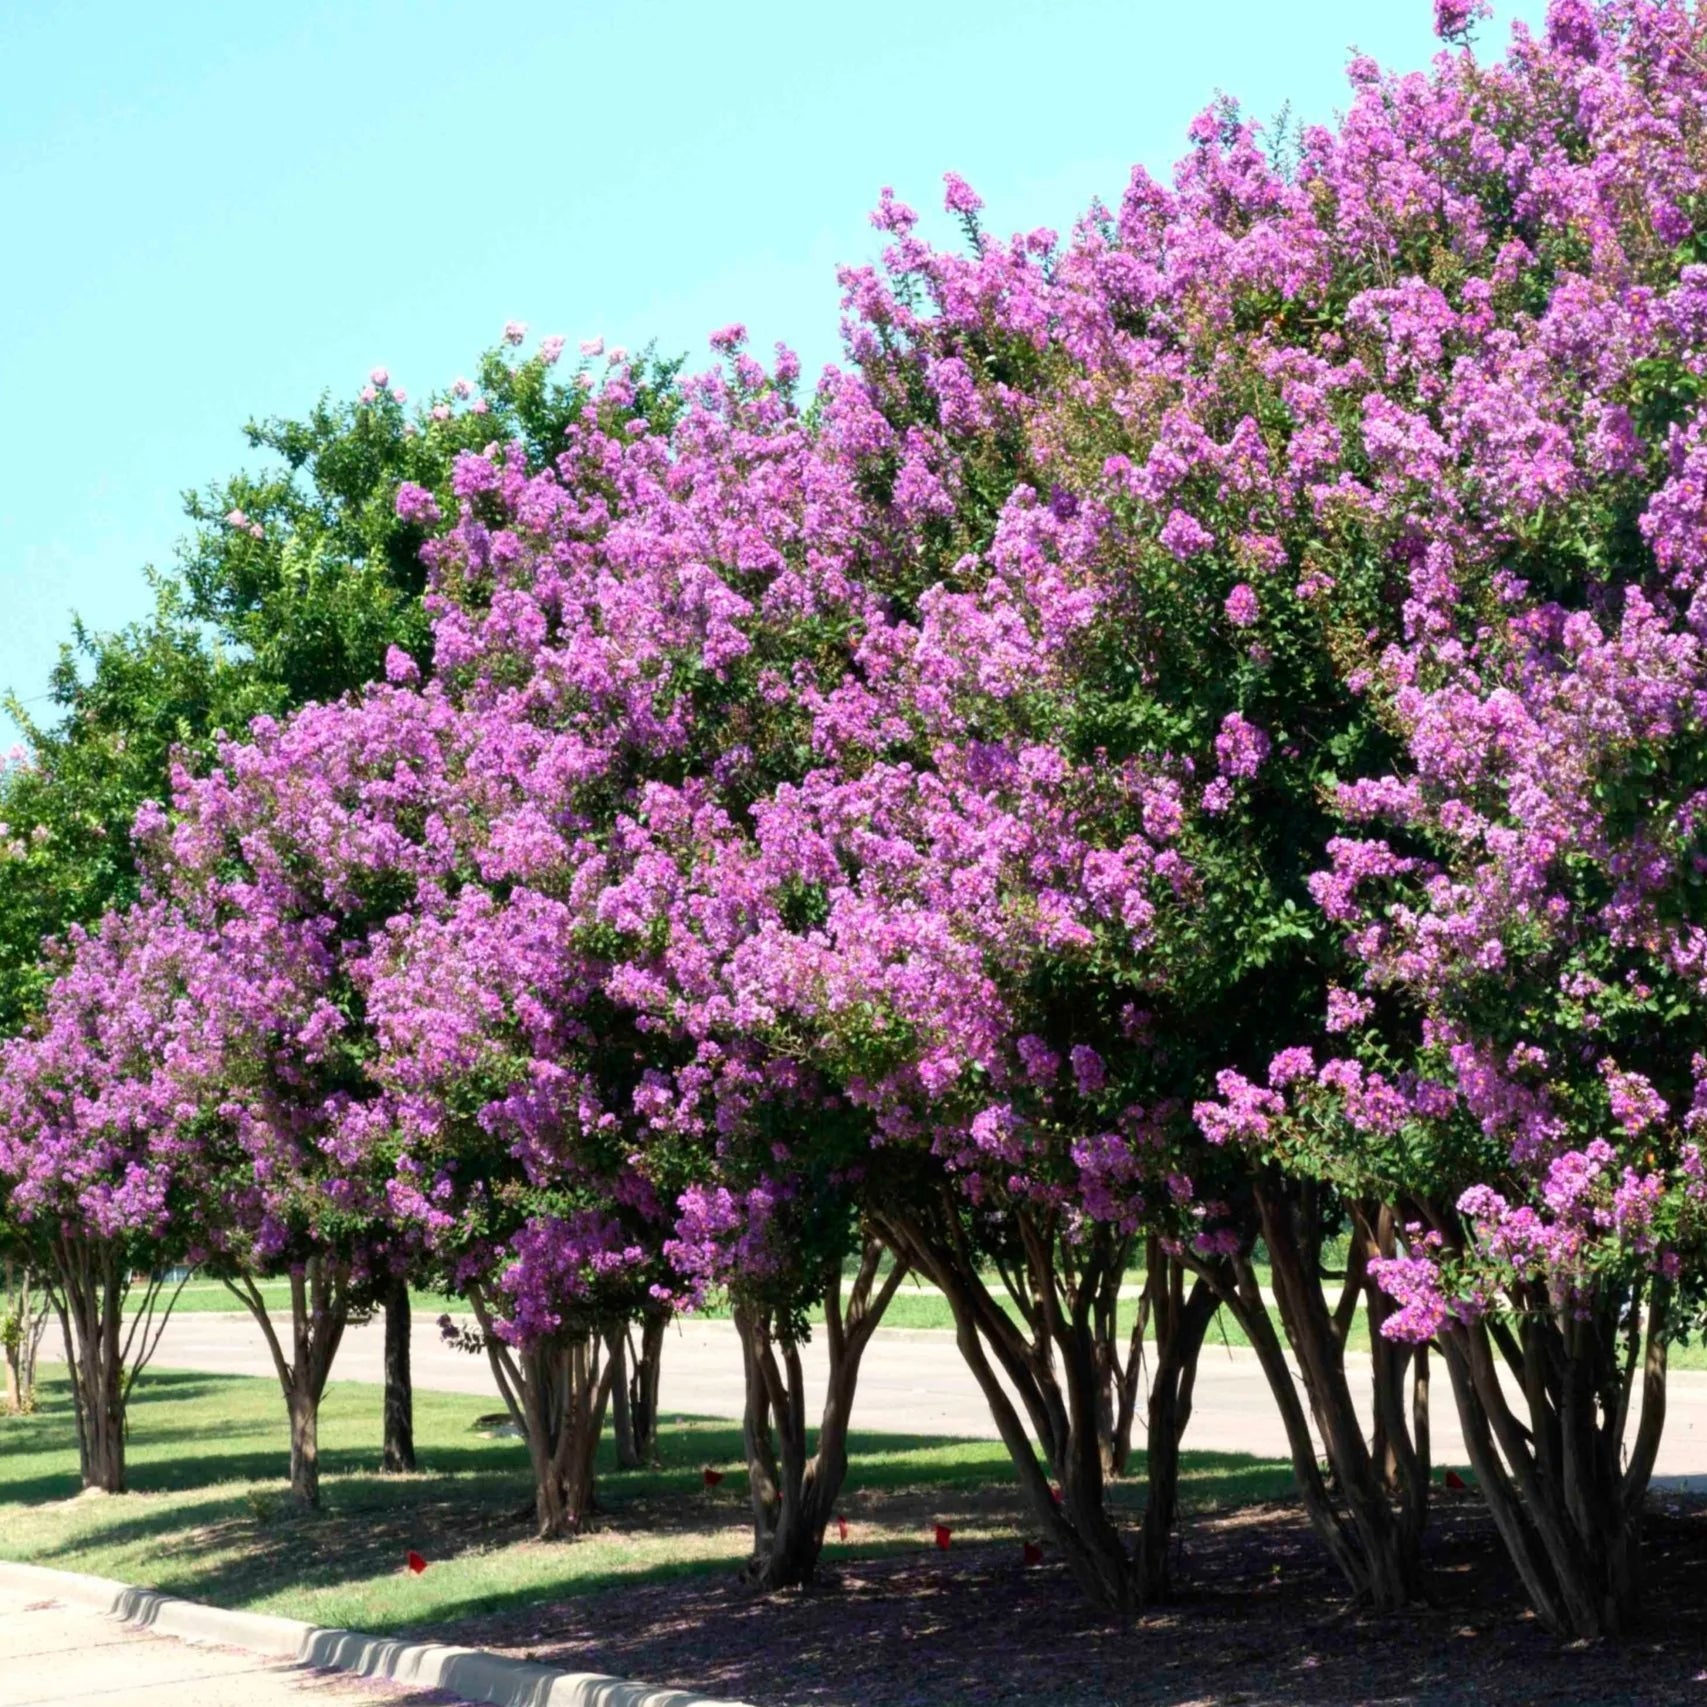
(213,212)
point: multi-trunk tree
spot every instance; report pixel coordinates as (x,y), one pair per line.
(103,1151)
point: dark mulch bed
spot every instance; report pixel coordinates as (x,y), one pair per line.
(1263,1620)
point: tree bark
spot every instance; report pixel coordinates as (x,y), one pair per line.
(557,1393)
(644,1382)
(1053,1365)
(1117,1455)
(399,1451)
(105,1353)
(1567,1511)
(634,1388)
(1386,1561)
(565,1388)
(795,1485)
(1400,1444)
(319,1312)
(304,1448)
(1181,1324)
(621,1417)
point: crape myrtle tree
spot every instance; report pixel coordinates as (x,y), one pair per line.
(1301,399)
(1520,1077)
(508,1077)
(883,919)
(1533,914)
(1512,1080)
(289,854)
(636,1349)
(532,432)
(311,571)
(776,1239)
(677,610)
(776,1165)
(910,991)
(103,1150)
(624,630)
(960,860)
(1034,856)
(1145,413)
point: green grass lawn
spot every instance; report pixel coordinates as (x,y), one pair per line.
(209,1517)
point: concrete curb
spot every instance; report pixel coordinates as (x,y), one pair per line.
(471,1673)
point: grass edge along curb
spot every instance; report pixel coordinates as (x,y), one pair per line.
(471,1673)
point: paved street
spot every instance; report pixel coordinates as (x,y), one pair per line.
(913,1382)
(51,1653)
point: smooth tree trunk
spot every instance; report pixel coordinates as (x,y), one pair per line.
(621,1399)
(1567,1504)
(1376,1547)
(1400,1441)
(399,1449)
(319,1313)
(556,1393)
(634,1388)
(104,1351)
(1121,1375)
(22,1329)
(795,1482)
(646,1383)
(304,1449)
(1178,1319)
(1053,1362)
(1181,1320)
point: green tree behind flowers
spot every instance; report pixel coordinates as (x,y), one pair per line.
(291,586)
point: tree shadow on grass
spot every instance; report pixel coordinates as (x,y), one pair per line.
(212,1518)
(243,1546)
(263,1467)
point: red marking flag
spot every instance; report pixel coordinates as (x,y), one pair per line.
(943,1532)
(712,1477)
(416,1563)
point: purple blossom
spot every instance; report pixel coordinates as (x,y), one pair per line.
(1242,607)
(959,196)
(1240,746)
(1184,537)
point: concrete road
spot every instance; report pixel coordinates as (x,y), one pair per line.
(52,1653)
(912,1382)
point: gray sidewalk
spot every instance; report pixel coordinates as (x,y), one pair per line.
(54,1653)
